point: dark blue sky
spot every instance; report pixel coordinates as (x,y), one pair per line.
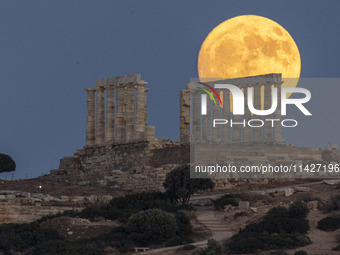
(51,50)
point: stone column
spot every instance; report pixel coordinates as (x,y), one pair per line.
(196,114)
(237,127)
(267,128)
(110,114)
(90,117)
(257,131)
(226,115)
(120,114)
(206,123)
(277,132)
(141,111)
(246,136)
(184,116)
(216,131)
(130,112)
(100,116)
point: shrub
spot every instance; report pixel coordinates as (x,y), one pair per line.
(282,220)
(279,225)
(122,208)
(92,213)
(151,227)
(31,237)
(7,164)
(301,253)
(214,248)
(142,230)
(333,204)
(184,229)
(284,241)
(117,238)
(65,247)
(68,213)
(277,212)
(329,224)
(336,248)
(246,243)
(278,253)
(179,186)
(239,214)
(298,209)
(288,223)
(20,237)
(228,199)
(188,247)
(174,241)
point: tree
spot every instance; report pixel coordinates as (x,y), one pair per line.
(179,186)
(151,226)
(7,164)
(298,209)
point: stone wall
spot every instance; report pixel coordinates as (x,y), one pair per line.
(141,166)
(21,207)
(135,166)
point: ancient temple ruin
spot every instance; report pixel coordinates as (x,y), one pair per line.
(125,117)
(122,153)
(201,129)
(117,113)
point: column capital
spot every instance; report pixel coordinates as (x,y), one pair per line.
(100,88)
(110,87)
(269,83)
(196,92)
(242,86)
(90,89)
(130,85)
(141,83)
(278,83)
(121,85)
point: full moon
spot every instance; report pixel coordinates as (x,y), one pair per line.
(249,45)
